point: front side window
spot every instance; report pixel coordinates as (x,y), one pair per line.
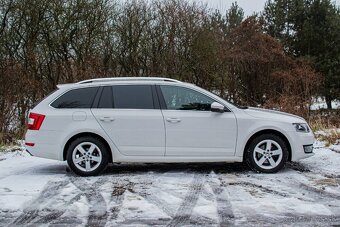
(77,98)
(133,97)
(180,98)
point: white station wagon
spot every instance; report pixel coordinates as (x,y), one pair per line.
(96,122)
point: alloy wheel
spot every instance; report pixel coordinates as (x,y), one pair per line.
(87,156)
(267,154)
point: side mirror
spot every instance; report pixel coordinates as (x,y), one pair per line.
(216,107)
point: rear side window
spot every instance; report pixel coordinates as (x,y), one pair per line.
(133,97)
(77,98)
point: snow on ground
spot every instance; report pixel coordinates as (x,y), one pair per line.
(320,103)
(36,191)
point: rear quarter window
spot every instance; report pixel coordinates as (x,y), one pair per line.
(77,98)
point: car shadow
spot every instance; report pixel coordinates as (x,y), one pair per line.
(53,169)
(140,168)
(203,168)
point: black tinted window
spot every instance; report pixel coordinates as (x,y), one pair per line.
(77,98)
(106,99)
(180,98)
(133,97)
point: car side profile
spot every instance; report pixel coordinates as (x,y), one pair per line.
(96,122)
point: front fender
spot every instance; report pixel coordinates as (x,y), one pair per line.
(247,132)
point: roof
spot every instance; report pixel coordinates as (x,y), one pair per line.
(99,81)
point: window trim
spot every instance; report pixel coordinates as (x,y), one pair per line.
(96,100)
(164,107)
(71,89)
(99,97)
(161,98)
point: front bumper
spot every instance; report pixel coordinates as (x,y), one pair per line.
(301,145)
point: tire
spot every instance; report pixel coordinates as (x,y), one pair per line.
(87,156)
(268,149)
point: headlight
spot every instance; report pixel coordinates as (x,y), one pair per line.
(301,127)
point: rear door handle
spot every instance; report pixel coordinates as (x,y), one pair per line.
(106,119)
(173,120)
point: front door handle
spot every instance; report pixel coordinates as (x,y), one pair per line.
(106,119)
(173,120)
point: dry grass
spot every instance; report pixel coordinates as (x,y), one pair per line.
(10,147)
(330,137)
(326,128)
(321,124)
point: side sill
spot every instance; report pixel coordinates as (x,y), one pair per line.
(177,159)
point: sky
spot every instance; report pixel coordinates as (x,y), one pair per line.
(248,6)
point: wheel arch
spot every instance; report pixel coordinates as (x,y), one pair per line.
(84,134)
(269,131)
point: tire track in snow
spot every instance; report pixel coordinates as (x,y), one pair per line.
(315,192)
(54,219)
(97,205)
(120,186)
(160,203)
(224,208)
(52,190)
(52,215)
(291,186)
(260,187)
(321,194)
(295,185)
(185,210)
(152,196)
(290,219)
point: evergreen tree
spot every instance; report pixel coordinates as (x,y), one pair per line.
(235,16)
(309,29)
(320,42)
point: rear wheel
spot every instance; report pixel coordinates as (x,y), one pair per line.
(87,156)
(267,153)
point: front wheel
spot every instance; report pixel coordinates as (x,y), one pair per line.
(87,156)
(267,153)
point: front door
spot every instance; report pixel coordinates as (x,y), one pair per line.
(192,129)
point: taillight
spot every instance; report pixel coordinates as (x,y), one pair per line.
(35,121)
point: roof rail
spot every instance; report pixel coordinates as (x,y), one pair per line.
(98,80)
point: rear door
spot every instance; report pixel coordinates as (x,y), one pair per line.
(131,116)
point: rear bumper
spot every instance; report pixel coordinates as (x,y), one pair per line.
(42,151)
(28,152)
(46,144)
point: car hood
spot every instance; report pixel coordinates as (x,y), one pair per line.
(273,115)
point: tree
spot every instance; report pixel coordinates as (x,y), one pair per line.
(320,42)
(309,29)
(235,16)
(260,73)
